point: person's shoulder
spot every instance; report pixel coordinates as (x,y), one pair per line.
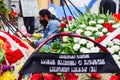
(55,22)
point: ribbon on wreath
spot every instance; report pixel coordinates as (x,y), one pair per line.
(110,37)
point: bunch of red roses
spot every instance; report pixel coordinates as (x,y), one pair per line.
(67,76)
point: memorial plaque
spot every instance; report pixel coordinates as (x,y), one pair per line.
(75,63)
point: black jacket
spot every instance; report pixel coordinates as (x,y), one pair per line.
(107,5)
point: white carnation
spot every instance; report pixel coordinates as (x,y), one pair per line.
(79,31)
(111,21)
(76,39)
(90,45)
(88,28)
(86,51)
(110,43)
(82,26)
(76,47)
(101,21)
(115,26)
(87,33)
(116,41)
(108,33)
(116,58)
(66,30)
(94,29)
(104,30)
(82,41)
(93,38)
(119,53)
(92,22)
(99,26)
(65,38)
(83,49)
(115,48)
(111,50)
(99,33)
(94,49)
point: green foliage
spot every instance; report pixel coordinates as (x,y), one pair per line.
(3,8)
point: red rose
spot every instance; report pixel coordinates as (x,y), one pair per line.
(113,77)
(95,76)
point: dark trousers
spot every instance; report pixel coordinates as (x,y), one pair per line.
(29,24)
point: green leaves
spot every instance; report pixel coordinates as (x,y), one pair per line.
(2,56)
(3,8)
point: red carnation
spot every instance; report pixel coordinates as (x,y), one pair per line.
(118,75)
(108,26)
(48,77)
(36,76)
(70,76)
(62,25)
(113,77)
(118,37)
(95,76)
(70,18)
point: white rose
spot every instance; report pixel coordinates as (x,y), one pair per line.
(79,31)
(82,26)
(101,21)
(82,41)
(92,22)
(76,39)
(76,47)
(87,33)
(90,45)
(94,49)
(99,26)
(111,21)
(104,30)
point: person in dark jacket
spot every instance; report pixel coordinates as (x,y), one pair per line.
(29,21)
(107,6)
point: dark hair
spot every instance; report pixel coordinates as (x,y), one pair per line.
(107,6)
(44,12)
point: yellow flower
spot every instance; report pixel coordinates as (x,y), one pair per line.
(1,42)
(8,75)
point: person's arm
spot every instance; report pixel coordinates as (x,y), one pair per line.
(53,28)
